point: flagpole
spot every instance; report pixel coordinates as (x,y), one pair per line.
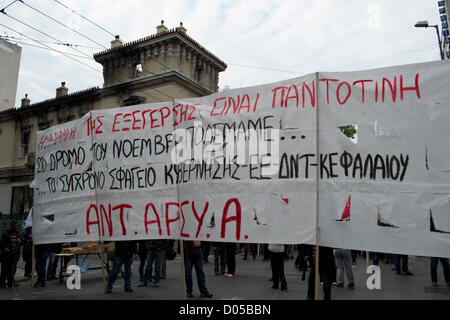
(316,283)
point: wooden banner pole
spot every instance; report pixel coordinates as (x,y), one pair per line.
(183,277)
(317,275)
(33,268)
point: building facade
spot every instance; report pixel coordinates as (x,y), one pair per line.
(161,67)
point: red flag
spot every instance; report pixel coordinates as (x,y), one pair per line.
(346,212)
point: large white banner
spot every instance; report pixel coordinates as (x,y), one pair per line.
(261,164)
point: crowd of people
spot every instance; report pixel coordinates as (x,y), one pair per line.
(334,264)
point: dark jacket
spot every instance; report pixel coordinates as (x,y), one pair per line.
(158,244)
(11,241)
(326,260)
(27,247)
(142,248)
(125,249)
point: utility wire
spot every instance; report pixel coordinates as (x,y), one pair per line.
(84,17)
(264,68)
(33,45)
(52,42)
(9,5)
(46,34)
(60,23)
(63,53)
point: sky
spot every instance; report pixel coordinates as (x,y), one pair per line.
(262,41)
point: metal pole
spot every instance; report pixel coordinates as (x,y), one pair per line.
(316,283)
(439,42)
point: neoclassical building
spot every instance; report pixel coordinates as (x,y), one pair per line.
(161,67)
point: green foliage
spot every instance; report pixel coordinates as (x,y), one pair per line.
(349,131)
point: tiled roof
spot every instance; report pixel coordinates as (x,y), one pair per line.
(159,35)
(71,95)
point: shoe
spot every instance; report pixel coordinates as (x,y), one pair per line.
(108,289)
(334,284)
(189,295)
(142,284)
(407,273)
(284,290)
(217,273)
(156,284)
(27,275)
(38,284)
(340,285)
(128,289)
(163,277)
(3,286)
(398,272)
(351,285)
(434,284)
(275,287)
(229,275)
(206,294)
(54,278)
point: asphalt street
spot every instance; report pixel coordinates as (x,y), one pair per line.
(251,282)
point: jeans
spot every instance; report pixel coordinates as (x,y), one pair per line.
(375,256)
(52,266)
(40,265)
(9,265)
(142,260)
(277,263)
(117,265)
(253,249)
(194,259)
(231,258)
(156,257)
(326,283)
(434,264)
(219,259)
(401,262)
(344,263)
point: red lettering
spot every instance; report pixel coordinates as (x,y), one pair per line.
(392,88)
(116,122)
(147,222)
(295,96)
(136,120)
(193,110)
(152,125)
(164,116)
(256,102)
(415,88)
(169,221)
(122,207)
(327,80)
(312,94)
(108,219)
(226,219)
(348,93)
(186,235)
(199,219)
(362,86)
(275,95)
(247,106)
(216,107)
(94,222)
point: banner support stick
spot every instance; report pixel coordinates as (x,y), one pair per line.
(33,268)
(316,282)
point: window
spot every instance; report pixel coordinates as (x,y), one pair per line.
(24,143)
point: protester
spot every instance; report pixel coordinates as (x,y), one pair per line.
(193,258)
(124,252)
(401,263)
(10,255)
(231,259)
(219,250)
(55,248)
(277,252)
(42,253)
(344,263)
(206,247)
(445,266)
(300,260)
(253,248)
(142,253)
(27,251)
(155,255)
(327,270)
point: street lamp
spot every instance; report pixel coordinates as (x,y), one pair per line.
(424,24)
